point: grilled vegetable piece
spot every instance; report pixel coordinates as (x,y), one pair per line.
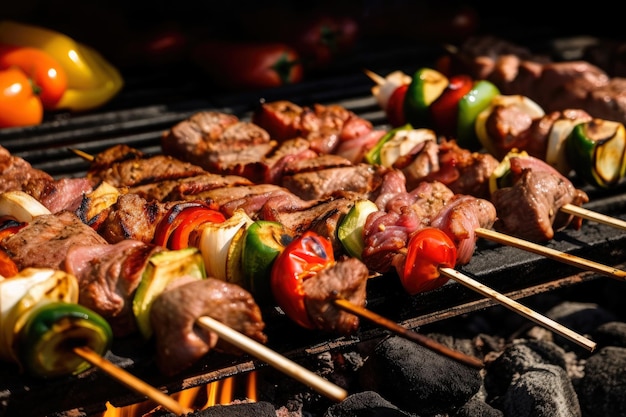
(597,151)
(21,292)
(350,230)
(373,155)
(163,268)
(50,332)
(470,106)
(264,240)
(21,206)
(428,250)
(426,86)
(301,259)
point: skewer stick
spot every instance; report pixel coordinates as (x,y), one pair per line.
(593,216)
(551,253)
(278,361)
(519,308)
(378,79)
(131,381)
(409,334)
(82,154)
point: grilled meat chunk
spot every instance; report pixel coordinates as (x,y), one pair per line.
(46,240)
(460,218)
(108,276)
(56,195)
(346,279)
(530,207)
(219,143)
(180,342)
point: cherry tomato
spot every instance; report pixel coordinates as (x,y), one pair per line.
(428,250)
(248,65)
(444,111)
(300,260)
(46,74)
(19,105)
(395,106)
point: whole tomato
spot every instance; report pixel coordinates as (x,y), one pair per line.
(300,260)
(19,105)
(46,74)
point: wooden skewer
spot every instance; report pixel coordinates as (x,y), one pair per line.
(551,253)
(274,359)
(82,154)
(593,216)
(519,308)
(378,79)
(131,381)
(409,334)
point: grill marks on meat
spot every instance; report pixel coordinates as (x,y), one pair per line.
(219,143)
(346,279)
(56,195)
(554,85)
(323,176)
(46,240)
(132,217)
(108,275)
(180,342)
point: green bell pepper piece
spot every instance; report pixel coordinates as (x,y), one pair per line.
(50,333)
(597,152)
(470,106)
(264,240)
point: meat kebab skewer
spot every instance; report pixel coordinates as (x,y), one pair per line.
(358,310)
(73,251)
(523,105)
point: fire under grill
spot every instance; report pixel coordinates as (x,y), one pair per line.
(143,112)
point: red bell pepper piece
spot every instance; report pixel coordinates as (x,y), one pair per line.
(175,216)
(300,260)
(191,220)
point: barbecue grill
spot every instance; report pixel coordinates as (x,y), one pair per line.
(150,104)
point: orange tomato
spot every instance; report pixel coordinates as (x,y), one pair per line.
(46,74)
(19,105)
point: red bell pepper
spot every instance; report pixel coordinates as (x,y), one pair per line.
(248,65)
(300,260)
(444,111)
(8,268)
(428,250)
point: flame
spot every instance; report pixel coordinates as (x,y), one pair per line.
(217,392)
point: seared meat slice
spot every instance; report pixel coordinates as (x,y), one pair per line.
(148,170)
(528,209)
(460,218)
(346,279)
(219,143)
(112,155)
(56,195)
(45,241)
(180,342)
(463,171)
(132,217)
(321,183)
(288,152)
(108,276)
(322,217)
(187,188)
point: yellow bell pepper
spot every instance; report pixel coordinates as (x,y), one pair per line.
(92,80)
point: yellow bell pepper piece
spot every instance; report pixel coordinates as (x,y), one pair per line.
(92,80)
